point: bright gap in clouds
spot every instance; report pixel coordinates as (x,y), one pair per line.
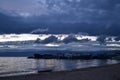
(20,37)
(27,37)
(25,14)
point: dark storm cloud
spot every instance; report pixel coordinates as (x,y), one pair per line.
(91,16)
(74,10)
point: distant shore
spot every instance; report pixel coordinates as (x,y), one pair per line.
(109,72)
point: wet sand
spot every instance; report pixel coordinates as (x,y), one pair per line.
(109,72)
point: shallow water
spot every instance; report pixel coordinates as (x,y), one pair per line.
(21,65)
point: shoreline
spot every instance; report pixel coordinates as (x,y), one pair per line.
(107,72)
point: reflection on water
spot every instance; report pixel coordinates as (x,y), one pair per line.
(22,65)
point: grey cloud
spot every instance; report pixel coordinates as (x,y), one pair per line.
(64,10)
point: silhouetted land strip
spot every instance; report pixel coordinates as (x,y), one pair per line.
(76,56)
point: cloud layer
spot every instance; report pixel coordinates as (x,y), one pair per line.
(80,14)
(80,10)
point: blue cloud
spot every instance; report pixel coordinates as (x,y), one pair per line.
(64,10)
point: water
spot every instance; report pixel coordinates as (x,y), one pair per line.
(21,65)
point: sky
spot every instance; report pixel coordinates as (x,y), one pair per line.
(79,10)
(64,11)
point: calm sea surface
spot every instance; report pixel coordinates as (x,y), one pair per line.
(21,65)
